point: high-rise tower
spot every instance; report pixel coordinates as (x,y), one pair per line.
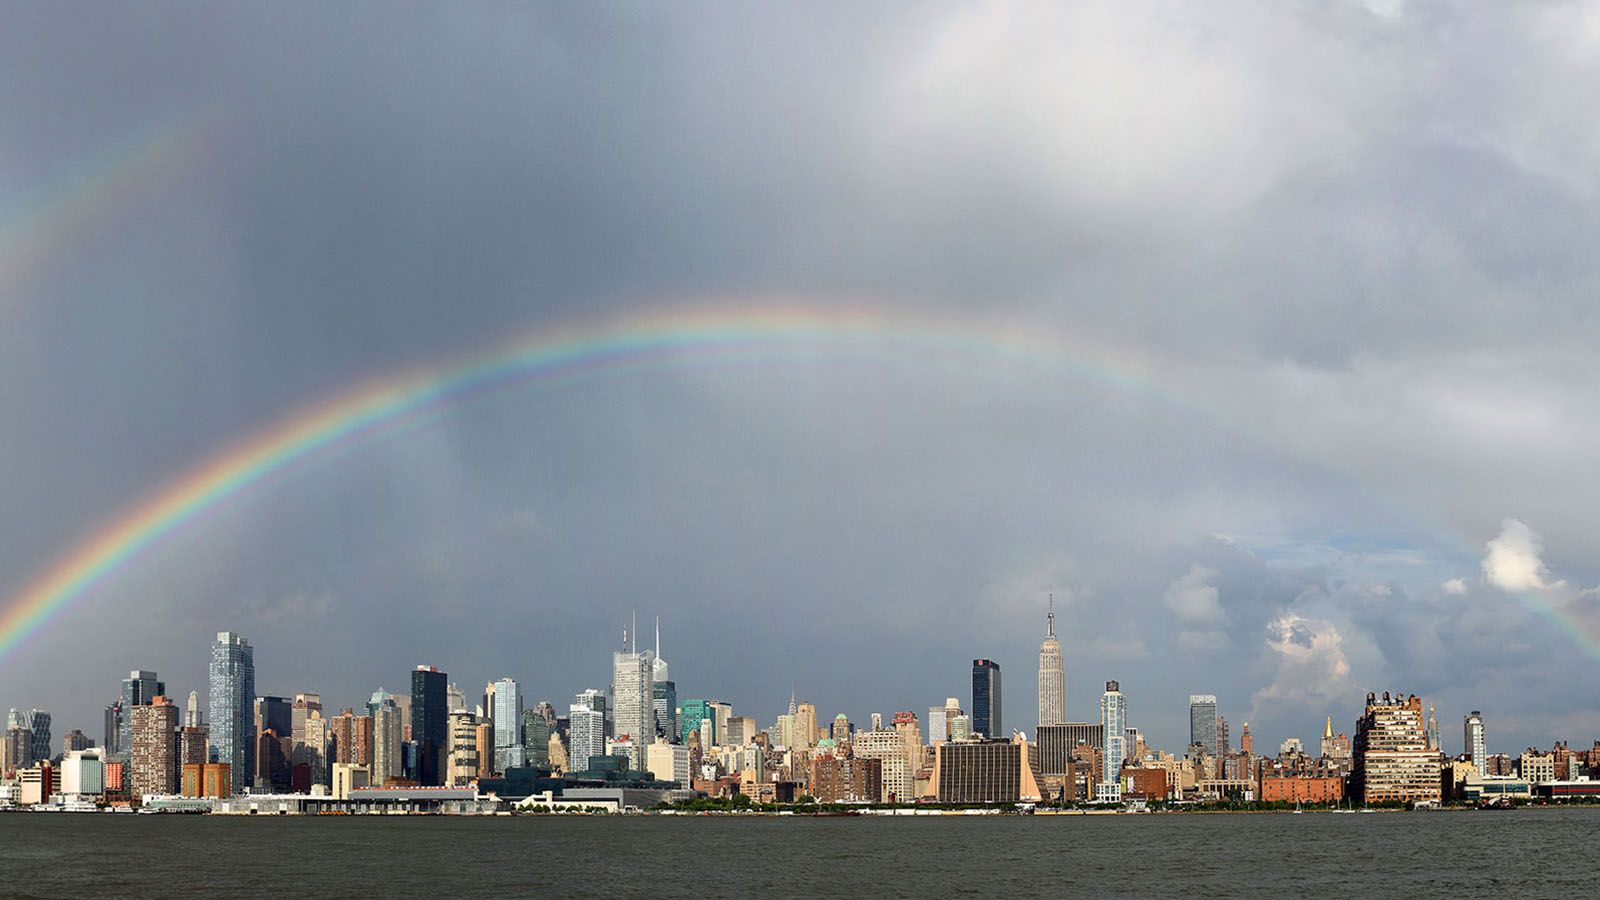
(664,695)
(1114,730)
(633,699)
(1052,675)
(430,726)
(1203,722)
(233,692)
(138,689)
(986,719)
(507,713)
(1472,726)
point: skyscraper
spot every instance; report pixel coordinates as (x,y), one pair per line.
(313,749)
(535,738)
(986,718)
(1472,745)
(1203,723)
(137,690)
(1052,674)
(1392,759)
(633,699)
(113,731)
(938,728)
(692,712)
(39,724)
(302,751)
(664,694)
(588,738)
(386,758)
(1114,728)
(507,713)
(430,726)
(153,747)
(233,687)
(273,725)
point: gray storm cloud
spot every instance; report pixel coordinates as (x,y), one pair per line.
(1348,245)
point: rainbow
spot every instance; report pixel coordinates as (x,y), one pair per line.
(45,228)
(368,409)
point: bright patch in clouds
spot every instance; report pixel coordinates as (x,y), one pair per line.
(1512,560)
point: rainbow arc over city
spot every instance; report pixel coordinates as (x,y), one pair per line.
(369,408)
(744,333)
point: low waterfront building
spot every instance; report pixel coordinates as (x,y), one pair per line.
(1301,789)
(838,779)
(1146,784)
(35,784)
(668,762)
(1222,789)
(83,774)
(890,748)
(1536,768)
(1566,790)
(1453,777)
(363,801)
(348,777)
(610,800)
(986,772)
(1481,788)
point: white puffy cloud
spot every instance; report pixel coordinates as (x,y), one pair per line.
(1311,664)
(1512,560)
(1455,587)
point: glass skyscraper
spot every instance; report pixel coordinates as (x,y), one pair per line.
(430,727)
(666,709)
(986,718)
(1203,722)
(39,724)
(507,715)
(692,713)
(1114,728)
(535,738)
(233,691)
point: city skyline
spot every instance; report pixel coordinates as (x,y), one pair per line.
(505,699)
(838,336)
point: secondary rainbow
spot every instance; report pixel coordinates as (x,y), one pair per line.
(86,198)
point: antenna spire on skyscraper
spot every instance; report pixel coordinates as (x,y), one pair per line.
(1050,618)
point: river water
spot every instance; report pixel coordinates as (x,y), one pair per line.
(1520,853)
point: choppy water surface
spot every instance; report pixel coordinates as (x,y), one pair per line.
(1531,853)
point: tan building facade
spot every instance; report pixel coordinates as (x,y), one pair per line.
(153,756)
(1392,757)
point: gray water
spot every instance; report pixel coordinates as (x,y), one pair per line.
(1521,853)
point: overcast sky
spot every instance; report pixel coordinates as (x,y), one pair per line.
(1348,247)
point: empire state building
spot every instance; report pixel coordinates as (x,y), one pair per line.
(1052,677)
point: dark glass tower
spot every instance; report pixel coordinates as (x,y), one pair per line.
(429,722)
(986,718)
